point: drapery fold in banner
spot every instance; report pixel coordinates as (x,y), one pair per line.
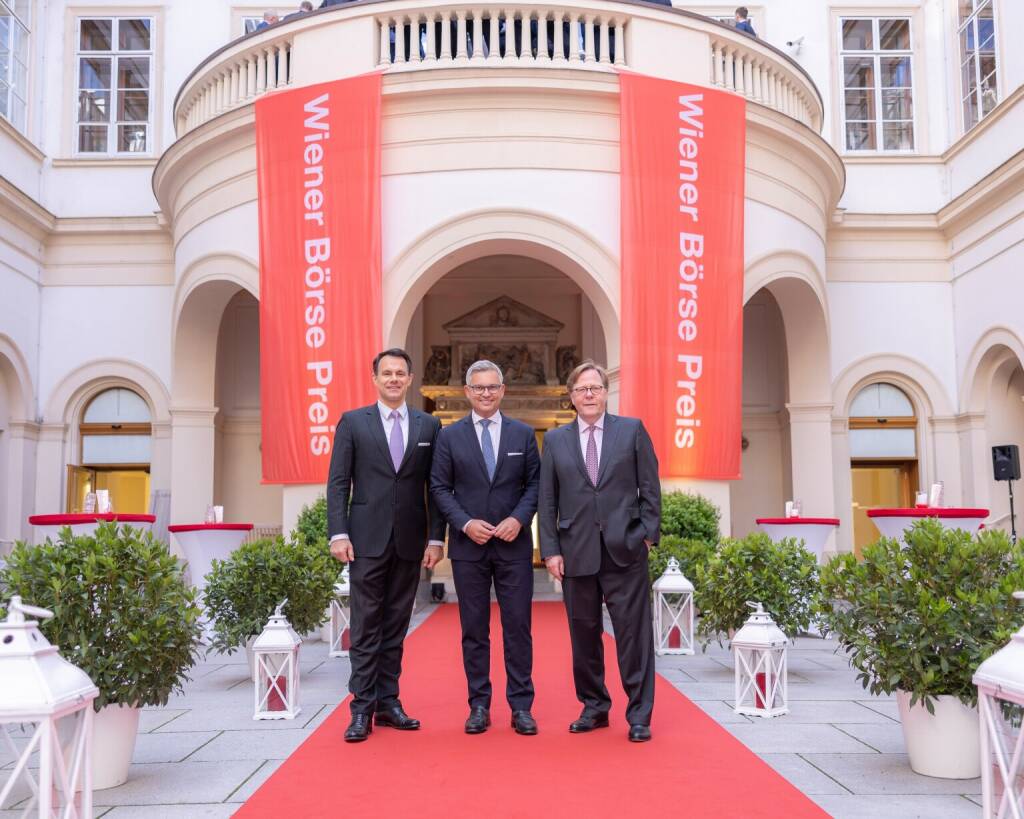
(682,167)
(318,171)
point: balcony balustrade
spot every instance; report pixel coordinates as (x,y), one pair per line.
(415,35)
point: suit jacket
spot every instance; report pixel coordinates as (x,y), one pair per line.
(368,500)
(459,484)
(746,27)
(624,508)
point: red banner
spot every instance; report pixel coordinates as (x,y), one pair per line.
(318,170)
(682,150)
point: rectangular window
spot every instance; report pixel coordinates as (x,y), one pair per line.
(979,89)
(878,88)
(14,29)
(114,105)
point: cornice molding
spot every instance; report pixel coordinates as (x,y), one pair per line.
(24,211)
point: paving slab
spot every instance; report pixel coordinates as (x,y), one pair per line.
(722,712)
(898,807)
(886,774)
(257,744)
(803,775)
(252,784)
(152,718)
(835,712)
(170,747)
(888,707)
(886,737)
(169,783)
(778,736)
(209,811)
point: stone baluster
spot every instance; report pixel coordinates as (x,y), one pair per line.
(460,34)
(620,41)
(574,37)
(431,39)
(717,78)
(542,37)
(478,36)
(588,39)
(605,41)
(493,36)
(446,37)
(384,58)
(510,35)
(268,55)
(558,46)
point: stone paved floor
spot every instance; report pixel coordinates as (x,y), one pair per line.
(202,754)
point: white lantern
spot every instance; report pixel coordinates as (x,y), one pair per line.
(341,617)
(759,651)
(276,652)
(673,611)
(1000,682)
(38,687)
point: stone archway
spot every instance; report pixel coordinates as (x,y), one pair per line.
(18,435)
(787,416)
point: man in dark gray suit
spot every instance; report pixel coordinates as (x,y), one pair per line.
(379,514)
(599,514)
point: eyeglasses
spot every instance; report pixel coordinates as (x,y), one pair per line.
(480,389)
(595,389)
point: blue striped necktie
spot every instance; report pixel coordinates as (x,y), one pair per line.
(488,447)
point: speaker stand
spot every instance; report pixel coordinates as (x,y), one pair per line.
(1013,519)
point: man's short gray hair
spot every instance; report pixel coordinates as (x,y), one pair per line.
(482,366)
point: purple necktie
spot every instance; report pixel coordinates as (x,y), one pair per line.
(395,443)
(592,455)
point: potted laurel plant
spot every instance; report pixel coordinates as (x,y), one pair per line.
(917,617)
(124,615)
(782,575)
(243,591)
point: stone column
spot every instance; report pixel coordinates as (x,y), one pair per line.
(51,469)
(975,460)
(945,431)
(19,493)
(810,434)
(842,482)
(192,457)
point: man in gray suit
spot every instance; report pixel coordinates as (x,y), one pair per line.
(600,513)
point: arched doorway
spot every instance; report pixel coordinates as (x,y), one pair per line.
(884,447)
(115,439)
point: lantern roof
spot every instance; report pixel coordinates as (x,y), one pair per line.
(1003,672)
(672,580)
(278,634)
(760,631)
(37,681)
(343,586)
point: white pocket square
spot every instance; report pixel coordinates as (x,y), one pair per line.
(513,454)
(423,443)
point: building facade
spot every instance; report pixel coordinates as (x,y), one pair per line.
(883,327)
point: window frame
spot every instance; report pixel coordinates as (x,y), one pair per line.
(11,90)
(112,429)
(114,55)
(962,97)
(877,53)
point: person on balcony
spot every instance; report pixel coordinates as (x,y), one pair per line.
(743,23)
(305,7)
(269,19)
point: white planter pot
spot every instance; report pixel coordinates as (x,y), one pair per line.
(115,728)
(946,744)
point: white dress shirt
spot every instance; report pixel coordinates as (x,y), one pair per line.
(585,436)
(403,419)
(494,430)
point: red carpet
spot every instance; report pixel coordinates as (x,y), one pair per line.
(692,768)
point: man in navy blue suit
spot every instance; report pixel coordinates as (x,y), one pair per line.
(485,479)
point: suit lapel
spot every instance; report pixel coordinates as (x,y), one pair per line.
(376,427)
(415,422)
(573,440)
(608,437)
(502,444)
(473,443)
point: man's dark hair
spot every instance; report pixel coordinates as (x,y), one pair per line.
(394,352)
(742,12)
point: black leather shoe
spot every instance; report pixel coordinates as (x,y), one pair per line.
(396,718)
(588,722)
(639,733)
(524,723)
(359,729)
(479,720)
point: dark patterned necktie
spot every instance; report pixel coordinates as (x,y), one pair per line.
(488,447)
(592,455)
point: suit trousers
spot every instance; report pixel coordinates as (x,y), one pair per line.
(513,586)
(382,597)
(627,592)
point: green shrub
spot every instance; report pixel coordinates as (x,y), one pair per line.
(242,591)
(783,576)
(122,610)
(690,516)
(920,616)
(690,553)
(312,523)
